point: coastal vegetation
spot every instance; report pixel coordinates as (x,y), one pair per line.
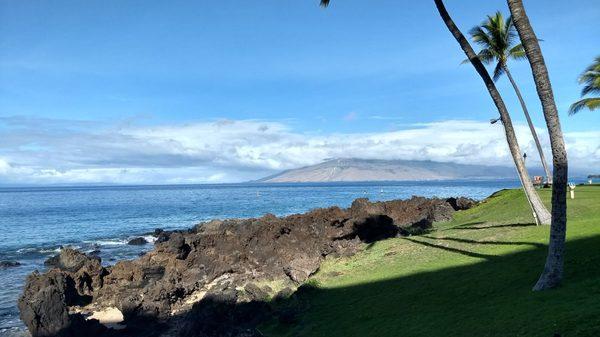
(591,85)
(553,269)
(540,212)
(498,40)
(468,277)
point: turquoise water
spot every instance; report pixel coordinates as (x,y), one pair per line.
(35,222)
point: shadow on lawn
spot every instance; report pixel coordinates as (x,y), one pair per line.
(470,226)
(484,298)
(484,242)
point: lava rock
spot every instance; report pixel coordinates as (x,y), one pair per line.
(211,272)
(255,293)
(139,241)
(9,264)
(71,260)
(461,203)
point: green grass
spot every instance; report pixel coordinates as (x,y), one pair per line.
(470,277)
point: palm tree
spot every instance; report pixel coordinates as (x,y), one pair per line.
(591,81)
(540,212)
(553,269)
(497,37)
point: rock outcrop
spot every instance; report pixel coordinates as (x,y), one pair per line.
(208,279)
(9,264)
(139,241)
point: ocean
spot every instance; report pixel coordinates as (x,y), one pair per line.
(36,221)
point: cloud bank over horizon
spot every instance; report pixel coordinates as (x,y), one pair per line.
(53,151)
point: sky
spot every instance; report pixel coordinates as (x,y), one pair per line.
(139,92)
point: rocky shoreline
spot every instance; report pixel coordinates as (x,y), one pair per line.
(220,278)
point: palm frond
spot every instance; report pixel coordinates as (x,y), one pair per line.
(498,35)
(484,56)
(595,66)
(589,103)
(517,52)
(324,3)
(590,89)
(591,78)
(480,37)
(498,71)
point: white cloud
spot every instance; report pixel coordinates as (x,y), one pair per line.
(38,151)
(4,166)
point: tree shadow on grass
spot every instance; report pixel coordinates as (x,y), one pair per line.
(452,249)
(471,227)
(487,242)
(492,297)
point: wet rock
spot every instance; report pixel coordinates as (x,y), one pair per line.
(139,241)
(94,252)
(71,260)
(9,264)
(162,237)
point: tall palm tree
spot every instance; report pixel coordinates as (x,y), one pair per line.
(540,212)
(553,269)
(591,81)
(498,40)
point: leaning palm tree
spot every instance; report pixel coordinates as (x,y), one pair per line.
(591,81)
(540,212)
(553,269)
(498,39)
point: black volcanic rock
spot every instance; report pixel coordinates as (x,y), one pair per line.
(139,241)
(461,203)
(9,264)
(210,275)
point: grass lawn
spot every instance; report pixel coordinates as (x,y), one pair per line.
(470,277)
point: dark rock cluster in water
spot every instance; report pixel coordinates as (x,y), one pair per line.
(213,280)
(9,264)
(139,241)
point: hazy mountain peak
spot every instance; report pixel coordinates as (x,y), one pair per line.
(352,169)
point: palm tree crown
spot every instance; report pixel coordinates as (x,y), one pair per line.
(497,37)
(591,85)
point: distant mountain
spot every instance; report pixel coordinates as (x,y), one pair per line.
(387,170)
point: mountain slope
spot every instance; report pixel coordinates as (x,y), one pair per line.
(387,170)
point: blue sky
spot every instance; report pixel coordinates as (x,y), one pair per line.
(121,70)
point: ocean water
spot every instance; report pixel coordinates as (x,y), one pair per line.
(36,222)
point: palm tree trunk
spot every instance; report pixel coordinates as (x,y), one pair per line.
(539,210)
(553,269)
(531,127)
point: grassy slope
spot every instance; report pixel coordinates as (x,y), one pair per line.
(470,277)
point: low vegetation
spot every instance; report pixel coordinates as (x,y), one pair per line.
(470,277)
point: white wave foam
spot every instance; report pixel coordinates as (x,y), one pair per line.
(109,242)
(49,250)
(149,238)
